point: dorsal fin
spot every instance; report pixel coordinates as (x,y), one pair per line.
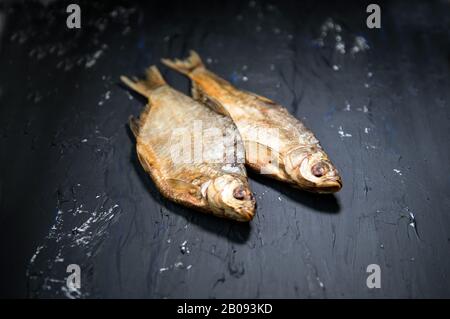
(209,101)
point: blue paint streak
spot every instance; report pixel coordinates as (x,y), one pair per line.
(234,77)
(328,116)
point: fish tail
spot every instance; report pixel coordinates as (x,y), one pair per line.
(153,80)
(186,66)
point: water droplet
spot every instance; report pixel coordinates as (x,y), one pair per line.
(184,249)
(360,44)
(347,106)
(342,133)
(340,47)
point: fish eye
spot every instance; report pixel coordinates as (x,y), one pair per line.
(319,169)
(239,193)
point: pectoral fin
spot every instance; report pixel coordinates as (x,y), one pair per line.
(264,160)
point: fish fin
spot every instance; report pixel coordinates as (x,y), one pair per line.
(153,81)
(149,163)
(264,160)
(154,78)
(209,101)
(195,92)
(177,190)
(185,66)
(134,125)
(261,98)
(182,186)
(185,193)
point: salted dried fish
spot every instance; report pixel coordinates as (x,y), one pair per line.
(181,144)
(276,143)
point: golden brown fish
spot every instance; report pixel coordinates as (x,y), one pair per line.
(181,144)
(276,143)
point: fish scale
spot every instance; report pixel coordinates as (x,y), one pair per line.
(276,143)
(204,183)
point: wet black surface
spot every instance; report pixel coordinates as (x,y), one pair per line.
(72,190)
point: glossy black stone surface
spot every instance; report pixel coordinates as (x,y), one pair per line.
(72,190)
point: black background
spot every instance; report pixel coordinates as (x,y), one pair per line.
(65,147)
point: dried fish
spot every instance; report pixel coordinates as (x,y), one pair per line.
(164,134)
(276,143)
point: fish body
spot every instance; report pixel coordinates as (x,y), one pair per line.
(276,143)
(177,144)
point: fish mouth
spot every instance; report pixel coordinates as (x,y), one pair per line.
(328,186)
(244,216)
(244,213)
(318,175)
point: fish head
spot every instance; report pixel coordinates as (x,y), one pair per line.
(311,169)
(229,196)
